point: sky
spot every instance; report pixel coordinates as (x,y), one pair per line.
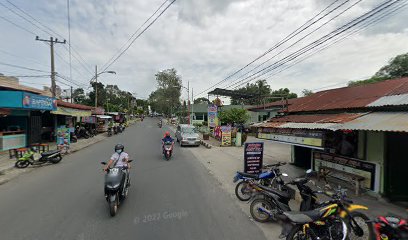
(204,40)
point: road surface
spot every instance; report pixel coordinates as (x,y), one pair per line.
(174,199)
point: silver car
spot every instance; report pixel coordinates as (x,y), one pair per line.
(187,135)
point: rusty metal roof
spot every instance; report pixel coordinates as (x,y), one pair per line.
(318,118)
(61,103)
(379,121)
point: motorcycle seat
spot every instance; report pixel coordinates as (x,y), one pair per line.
(249,175)
(304,217)
(283,194)
(49,153)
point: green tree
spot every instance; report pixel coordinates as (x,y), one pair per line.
(307,92)
(259,89)
(201,100)
(101,94)
(234,115)
(396,68)
(78,96)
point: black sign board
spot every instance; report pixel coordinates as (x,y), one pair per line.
(253,157)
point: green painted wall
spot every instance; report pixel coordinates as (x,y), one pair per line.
(376,152)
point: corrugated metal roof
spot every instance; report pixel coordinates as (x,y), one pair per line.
(318,118)
(379,121)
(310,125)
(73,105)
(390,100)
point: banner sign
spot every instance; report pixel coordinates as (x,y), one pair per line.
(226,135)
(309,141)
(212,115)
(253,157)
(33,101)
(348,165)
(63,136)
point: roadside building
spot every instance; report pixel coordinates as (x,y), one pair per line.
(21,113)
(359,131)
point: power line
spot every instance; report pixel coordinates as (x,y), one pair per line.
(70,81)
(301,39)
(23,28)
(23,58)
(366,25)
(321,40)
(124,45)
(299,30)
(138,35)
(22,67)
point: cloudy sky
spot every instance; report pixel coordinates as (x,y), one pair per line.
(204,40)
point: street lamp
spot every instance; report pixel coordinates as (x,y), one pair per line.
(96,81)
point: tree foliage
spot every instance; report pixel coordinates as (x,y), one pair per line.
(234,116)
(307,92)
(262,92)
(396,68)
(201,100)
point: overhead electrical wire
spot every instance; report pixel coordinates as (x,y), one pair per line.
(23,28)
(366,25)
(137,30)
(22,67)
(137,36)
(21,57)
(320,41)
(296,32)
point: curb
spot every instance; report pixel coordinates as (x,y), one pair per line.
(207,145)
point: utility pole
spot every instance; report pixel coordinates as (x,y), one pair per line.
(188,93)
(52,41)
(71,95)
(192,105)
(96,86)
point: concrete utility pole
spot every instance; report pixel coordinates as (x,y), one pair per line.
(52,41)
(192,106)
(188,93)
(71,95)
(96,86)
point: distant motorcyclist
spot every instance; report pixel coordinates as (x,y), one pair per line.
(167,138)
(120,159)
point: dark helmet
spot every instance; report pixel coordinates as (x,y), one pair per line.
(119,147)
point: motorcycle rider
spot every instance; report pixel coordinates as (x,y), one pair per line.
(167,138)
(120,159)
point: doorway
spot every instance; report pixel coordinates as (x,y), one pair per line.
(303,157)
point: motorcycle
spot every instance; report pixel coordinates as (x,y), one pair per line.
(160,124)
(73,138)
(116,187)
(109,132)
(167,150)
(337,218)
(32,157)
(391,228)
(81,132)
(271,177)
(270,204)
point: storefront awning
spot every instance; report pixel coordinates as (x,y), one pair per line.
(379,121)
(72,112)
(103,116)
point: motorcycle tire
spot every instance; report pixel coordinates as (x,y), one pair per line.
(56,159)
(113,208)
(296,232)
(239,191)
(22,164)
(258,215)
(86,136)
(368,229)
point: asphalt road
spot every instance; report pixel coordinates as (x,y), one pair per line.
(174,199)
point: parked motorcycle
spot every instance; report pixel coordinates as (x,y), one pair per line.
(73,138)
(32,157)
(337,218)
(270,204)
(81,132)
(168,150)
(391,228)
(109,132)
(116,187)
(271,177)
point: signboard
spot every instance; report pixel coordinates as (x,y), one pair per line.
(350,165)
(212,115)
(253,157)
(72,112)
(32,101)
(310,141)
(63,138)
(226,135)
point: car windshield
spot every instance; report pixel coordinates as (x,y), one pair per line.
(189,130)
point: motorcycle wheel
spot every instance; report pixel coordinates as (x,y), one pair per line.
(242,192)
(259,215)
(363,222)
(86,136)
(56,159)
(113,208)
(22,164)
(296,233)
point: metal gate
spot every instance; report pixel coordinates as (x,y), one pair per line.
(34,135)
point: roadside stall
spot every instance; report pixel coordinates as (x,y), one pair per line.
(103,121)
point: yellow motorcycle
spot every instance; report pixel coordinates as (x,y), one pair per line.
(337,219)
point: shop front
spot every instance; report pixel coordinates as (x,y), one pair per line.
(20,124)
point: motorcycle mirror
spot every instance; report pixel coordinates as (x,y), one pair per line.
(104,163)
(285,175)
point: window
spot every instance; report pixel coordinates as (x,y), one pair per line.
(199,117)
